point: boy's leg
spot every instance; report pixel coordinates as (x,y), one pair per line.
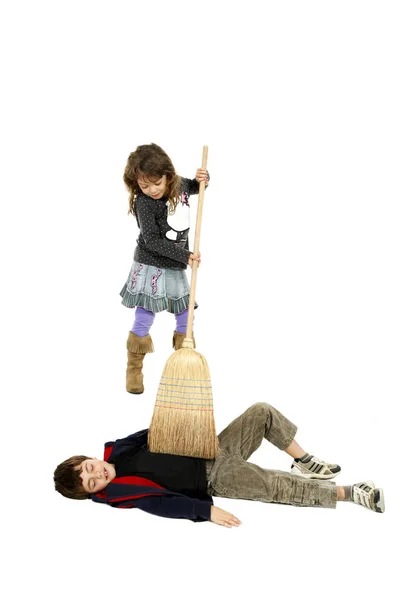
(233,477)
(261,421)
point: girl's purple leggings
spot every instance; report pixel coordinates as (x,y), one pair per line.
(144,319)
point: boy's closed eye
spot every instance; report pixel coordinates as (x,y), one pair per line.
(91,482)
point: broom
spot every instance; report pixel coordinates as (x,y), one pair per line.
(183,417)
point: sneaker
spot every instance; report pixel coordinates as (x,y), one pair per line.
(312,467)
(366,494)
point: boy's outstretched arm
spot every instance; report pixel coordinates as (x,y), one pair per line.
(176,507)
(183,507)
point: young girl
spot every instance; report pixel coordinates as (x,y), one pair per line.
(159,199)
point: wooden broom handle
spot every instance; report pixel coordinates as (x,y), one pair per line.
(189,327)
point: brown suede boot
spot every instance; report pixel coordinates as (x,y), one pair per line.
(137,348)
(177,340)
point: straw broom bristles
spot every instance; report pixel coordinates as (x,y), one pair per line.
(183,418)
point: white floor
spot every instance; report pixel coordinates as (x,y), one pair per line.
(298,290)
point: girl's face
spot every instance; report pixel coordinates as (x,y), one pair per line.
(155,188)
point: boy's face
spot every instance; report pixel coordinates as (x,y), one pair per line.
(96,474)
(155,189)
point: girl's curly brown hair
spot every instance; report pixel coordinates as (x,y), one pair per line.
(150,161)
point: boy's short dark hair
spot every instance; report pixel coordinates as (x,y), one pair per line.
(67,478)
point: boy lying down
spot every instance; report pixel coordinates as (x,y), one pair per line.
(182,487)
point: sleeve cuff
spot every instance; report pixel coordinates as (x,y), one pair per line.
(203,510)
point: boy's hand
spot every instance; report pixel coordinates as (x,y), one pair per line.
(202,175)
(222,517)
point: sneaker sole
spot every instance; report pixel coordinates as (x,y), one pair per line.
(300,473)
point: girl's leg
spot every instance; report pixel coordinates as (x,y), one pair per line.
(144,319)
(181,321)
(139,343)
(180,330)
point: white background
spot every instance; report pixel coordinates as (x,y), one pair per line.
(298,288)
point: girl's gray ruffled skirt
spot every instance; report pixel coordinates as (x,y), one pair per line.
(156,289)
